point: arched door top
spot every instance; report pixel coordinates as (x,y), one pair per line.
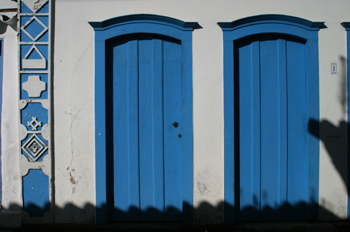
(142,23)
(270,23)
(252,48)
(271,19)
(143,26)
(143,18)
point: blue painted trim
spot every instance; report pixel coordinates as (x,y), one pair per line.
(143,18)
(187,121)
(281,24)
(272,18)
(35,191)
(346,25)
(100,134)
(142,23)
(229,146)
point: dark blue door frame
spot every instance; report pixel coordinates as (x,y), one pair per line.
(269,24)
(151,24)
(346,25)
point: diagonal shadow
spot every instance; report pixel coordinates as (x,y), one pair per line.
(335,141)
(335,138)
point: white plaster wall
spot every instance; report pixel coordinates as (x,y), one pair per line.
(11,178)
(74,117)
(74,93)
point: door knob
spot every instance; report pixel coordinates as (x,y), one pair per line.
(175,124)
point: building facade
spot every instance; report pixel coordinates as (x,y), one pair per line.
(202,112)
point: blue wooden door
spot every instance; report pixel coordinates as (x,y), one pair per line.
(144,100)
(271,128)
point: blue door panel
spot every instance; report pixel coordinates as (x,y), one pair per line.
(147,148)
(126,161)
(271,92)
(137,158)
(283,129)
(246,189)
(269,125)
(151,129)
(298,162)
(250,124)
(147,145)
(172,141)
(272,125)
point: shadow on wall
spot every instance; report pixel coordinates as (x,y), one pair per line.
(3,27)
(335,138)
(335,141)
(203,214)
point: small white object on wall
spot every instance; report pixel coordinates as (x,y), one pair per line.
(334,68)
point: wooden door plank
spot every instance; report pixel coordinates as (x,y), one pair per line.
(283,127)
(126,177)
(172,135)
(298,162)
(270,129)
(249,73)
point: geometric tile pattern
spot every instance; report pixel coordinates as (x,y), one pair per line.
(34,86)
(36,201)
(34,123)
(34,63)
(34,18)
(34,5)
(34,147)
(36,34)
(34,45)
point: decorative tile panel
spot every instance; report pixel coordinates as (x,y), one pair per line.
(34,86)
(35,5)
(34,147)
(32,28)
(34,123)
(34,57)
(36,200)
(34,109)
(31,85)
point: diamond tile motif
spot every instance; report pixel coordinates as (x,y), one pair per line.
(34,148)
(34,5)
(36,27)
(34,108)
